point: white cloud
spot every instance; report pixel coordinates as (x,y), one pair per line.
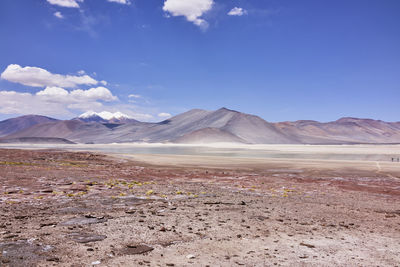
(193,10)
(38,77)
(53,91)
(123,2)
(86,106)
(58,15)
(164,115)
(134,96)
(53,101)
(142,116)
(103,82)
(65,3)
(78,95)
(99,93)
(237,11)
(81,72)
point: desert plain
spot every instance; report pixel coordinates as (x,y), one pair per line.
(290,205)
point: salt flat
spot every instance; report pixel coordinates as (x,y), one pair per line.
(339,152)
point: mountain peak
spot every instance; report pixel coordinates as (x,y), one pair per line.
(227,109)
(87,114)
(105,116)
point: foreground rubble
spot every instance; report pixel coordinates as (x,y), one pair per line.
(81,209)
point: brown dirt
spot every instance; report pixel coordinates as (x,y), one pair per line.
(81,209)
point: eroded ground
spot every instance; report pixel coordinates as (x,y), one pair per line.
(82,209)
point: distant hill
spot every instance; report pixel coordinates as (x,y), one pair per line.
(74,130)
(14,125)
(344,130)
(37,140)
(222,125)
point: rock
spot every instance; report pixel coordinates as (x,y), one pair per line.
(130,211)
(133,249)
(307,245)
(11,191)
(11,236)
(20,217)
(96,262)
(21,253)
(84,220)
(219,203)
(86,238)
(190,256)
(47,190)
(261,218)
(48,224)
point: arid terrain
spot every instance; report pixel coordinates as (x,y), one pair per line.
(62,208)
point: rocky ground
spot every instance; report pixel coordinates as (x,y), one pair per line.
(81,209)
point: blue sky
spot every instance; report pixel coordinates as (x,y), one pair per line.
(281,60)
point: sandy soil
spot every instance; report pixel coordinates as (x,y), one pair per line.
(81,208)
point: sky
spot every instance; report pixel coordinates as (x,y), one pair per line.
(282,60)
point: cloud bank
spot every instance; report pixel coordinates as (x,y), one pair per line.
(54,101)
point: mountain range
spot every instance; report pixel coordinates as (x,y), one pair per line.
(197,126)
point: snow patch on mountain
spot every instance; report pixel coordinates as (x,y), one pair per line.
(106,115)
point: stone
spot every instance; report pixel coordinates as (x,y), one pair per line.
(307,245)
(83,221)
(133,249)
(86,238)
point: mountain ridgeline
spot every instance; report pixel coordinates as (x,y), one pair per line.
(17,124)
(198,127)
